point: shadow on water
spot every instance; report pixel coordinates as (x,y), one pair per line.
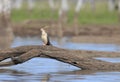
(66,76)
(49,70)
(14,74)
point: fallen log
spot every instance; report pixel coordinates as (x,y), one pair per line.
(79,58)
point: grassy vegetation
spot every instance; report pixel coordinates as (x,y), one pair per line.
(86,16)
(99,16)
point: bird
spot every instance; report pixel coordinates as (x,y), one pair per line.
(45,37)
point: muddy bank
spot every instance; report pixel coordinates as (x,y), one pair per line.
(96,39)
(86,33)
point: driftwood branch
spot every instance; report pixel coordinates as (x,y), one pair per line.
(82,59)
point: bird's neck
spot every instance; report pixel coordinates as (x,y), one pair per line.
(43,32)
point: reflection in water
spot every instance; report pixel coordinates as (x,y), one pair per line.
(48,70)
(68,76)
(31,71)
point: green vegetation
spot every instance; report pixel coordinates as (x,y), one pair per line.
(86,16)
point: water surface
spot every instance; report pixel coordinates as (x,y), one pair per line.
(49,70)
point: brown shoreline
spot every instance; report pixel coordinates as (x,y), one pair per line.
(86,33)
(96,39)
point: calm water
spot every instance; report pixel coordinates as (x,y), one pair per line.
(48,70)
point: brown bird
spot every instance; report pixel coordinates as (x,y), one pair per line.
(45,37)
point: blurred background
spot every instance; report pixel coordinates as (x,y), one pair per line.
(77,19)
(71,24)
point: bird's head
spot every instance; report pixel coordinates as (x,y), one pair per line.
(43,29)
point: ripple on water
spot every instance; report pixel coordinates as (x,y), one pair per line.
(48,70)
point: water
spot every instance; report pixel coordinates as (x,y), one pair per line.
(64,43)
(49,70)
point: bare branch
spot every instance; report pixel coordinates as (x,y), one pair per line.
(82,59)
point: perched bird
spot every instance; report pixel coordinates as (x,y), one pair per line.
(45,37)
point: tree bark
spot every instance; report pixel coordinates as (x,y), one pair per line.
(111,5)
(31,4)
(119,6)
(82,59)
(17,4)
(6,34)
(78,6)
(76,15)
(51,4)
(93,5)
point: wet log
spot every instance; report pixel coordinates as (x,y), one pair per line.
(79,58)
